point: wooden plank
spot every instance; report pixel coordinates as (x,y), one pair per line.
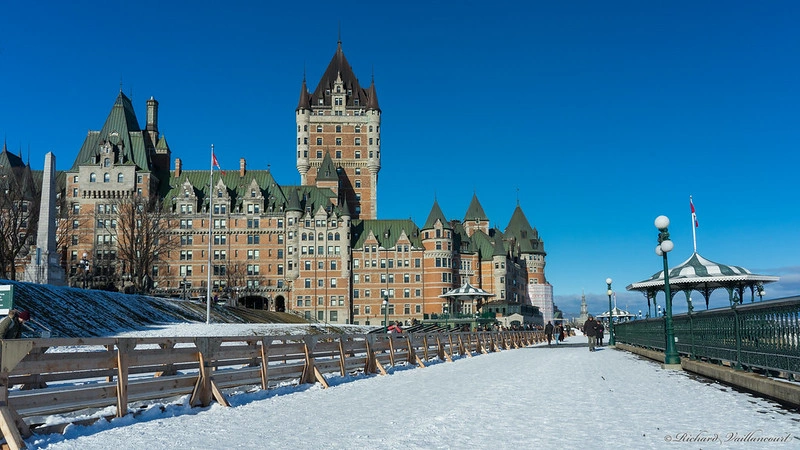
(9,429)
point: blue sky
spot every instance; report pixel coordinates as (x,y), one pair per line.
(596,116)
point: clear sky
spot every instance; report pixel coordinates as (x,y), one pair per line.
(595,116)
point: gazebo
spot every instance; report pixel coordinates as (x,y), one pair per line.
(619,315)
(704,276)
(466,293)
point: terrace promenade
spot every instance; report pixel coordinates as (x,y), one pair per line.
(538,396)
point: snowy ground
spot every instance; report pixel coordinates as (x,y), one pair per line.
(556,397)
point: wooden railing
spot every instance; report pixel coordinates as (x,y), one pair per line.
(45,377)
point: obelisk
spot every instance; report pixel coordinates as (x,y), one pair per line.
(45,266)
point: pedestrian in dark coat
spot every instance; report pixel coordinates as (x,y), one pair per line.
(590,330)
(548,332)
(11,325)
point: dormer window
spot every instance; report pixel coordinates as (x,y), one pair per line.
(252,193)
(219,194)
(106,162)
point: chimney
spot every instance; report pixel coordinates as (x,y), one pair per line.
(152,115)
(177,167)
(242,165)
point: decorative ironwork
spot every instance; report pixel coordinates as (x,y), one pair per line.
(763,336)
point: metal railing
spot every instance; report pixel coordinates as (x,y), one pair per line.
(763,336)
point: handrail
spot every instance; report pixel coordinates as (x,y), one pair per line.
(39,377)
(763,336)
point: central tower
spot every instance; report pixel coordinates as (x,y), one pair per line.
(342,119)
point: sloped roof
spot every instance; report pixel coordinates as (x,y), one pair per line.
(700,274)
(521,231)
(327,170)
(475,211)
(121,129)
(339,67)
(362,228)
(467,290)
(436,214)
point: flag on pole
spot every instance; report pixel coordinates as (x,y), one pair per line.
(694,214)
(216,163)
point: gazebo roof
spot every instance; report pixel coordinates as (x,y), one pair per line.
(616,312)
(700,273)
(467,290)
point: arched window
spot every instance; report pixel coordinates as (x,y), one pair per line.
(106,162)
(321,237)
(92,177)
(120,178)
(106,177)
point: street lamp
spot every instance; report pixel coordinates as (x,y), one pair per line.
(386,312)
(761,292)
(665,245)
(84,264)
(610,315)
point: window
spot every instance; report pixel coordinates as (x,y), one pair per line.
(92,177)
(253,254)
(338,154)
(338,128)
(338,141)
(120,178)
(319,128)
(357,141)
(220,239)
(253,239)
(358,183)
(75,179)
(319,141)
(106,177)
(186,224)
(187,240)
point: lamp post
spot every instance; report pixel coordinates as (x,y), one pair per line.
(610,315)
(386,312)
(84,264)
(184,288)
(665,245)
(761,292)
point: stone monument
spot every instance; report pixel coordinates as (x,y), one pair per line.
(45,266)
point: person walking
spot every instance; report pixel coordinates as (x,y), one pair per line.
(11,325)
(548,332)
(600,332)
(590,330)
(560,332)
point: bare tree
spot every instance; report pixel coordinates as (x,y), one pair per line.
(144,236)
(19,218)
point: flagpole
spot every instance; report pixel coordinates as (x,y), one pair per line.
(210,212)
(694,228)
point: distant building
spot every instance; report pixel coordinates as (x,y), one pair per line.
(316,248)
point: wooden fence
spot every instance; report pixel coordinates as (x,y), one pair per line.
(45,377)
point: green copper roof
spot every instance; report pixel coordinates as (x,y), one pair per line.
(475,211)
(521,231)
(327,171)
(122,132)
(387,232)
(436,214)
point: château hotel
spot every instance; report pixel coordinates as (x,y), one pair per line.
(316,248)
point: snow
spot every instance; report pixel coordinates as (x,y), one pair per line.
(558,396)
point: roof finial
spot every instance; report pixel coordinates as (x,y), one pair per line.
(517,196)
(120,83)
(340,33)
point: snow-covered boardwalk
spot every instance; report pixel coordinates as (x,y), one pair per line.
(555,397)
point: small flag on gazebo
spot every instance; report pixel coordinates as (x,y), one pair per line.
(694,214)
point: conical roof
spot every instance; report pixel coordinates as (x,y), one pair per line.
(475,210)
(699,270)
(435,214)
